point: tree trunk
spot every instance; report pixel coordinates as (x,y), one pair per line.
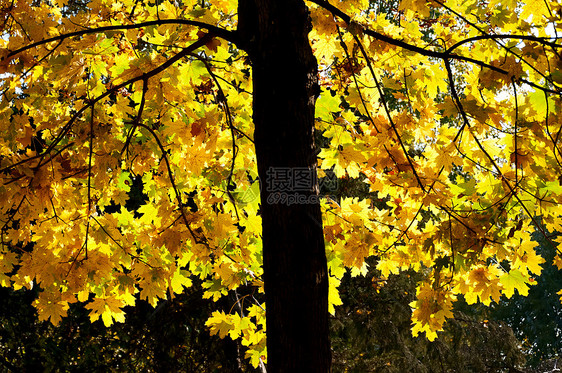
(285,78)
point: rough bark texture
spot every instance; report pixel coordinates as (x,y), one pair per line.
(295,270)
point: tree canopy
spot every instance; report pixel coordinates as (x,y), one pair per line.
(448,113)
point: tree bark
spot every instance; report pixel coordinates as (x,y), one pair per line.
(285,87)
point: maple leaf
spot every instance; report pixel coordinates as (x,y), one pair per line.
(412,7)
(387,267)
(528,258)
(345,161)
(180,280)
(51,306)
(325,47)
(7,261)
(214,289)
(431,309)
(325,105)
(333,296)
(558,261)
(258,353)
(109,308)
(220,324)
(514,280)
(213,44)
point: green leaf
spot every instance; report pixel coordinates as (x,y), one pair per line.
(514,280)
(551,186)
(326,105)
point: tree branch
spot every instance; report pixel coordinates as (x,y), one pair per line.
(184,52)
(543,41)
(173,182)
(387,111)
(505,181)
(221,98)
(231,36)
(399,43)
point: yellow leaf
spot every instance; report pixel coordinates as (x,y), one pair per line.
(51,306)
(179,281)
(109,308)
(412,7)
(333,294)
(219,323)
(514,280)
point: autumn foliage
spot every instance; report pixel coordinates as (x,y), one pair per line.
(449,112)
